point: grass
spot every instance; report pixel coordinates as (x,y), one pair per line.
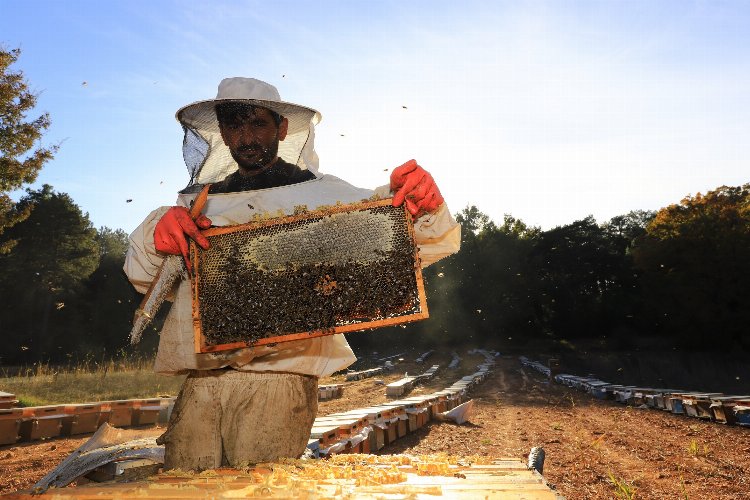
(622,489)
(695,450)
(44,384)
(682,486)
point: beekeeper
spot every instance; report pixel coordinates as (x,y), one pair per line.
(256,404)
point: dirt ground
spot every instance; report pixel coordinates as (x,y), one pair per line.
(590,445)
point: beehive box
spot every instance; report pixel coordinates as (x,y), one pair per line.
(7,400)
(81,418)
(120,412)
(42,422)
(146,411)
(335,270)
(325,432)
(723,407)
(10,425)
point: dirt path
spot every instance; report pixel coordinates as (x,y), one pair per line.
(588,443)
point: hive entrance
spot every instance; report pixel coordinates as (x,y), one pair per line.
(346,268)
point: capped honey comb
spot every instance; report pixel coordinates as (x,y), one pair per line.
(335,270)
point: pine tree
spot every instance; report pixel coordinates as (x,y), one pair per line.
(21,157)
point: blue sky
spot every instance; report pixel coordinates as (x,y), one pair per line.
(548,111)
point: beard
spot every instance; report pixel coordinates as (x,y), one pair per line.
(254,158)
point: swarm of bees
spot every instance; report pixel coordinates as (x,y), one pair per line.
(267,285)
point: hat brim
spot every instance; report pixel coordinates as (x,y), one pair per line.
(201,115)
(210,159)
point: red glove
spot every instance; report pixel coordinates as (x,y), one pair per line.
(415,186)
(169,235)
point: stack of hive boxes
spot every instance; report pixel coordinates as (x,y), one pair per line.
(364,373)
(366,430)
(43,422)
(10,425)
(331,391)
(7,400)
(406,384)
(714,406)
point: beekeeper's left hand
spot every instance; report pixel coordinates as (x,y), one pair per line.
(413,185)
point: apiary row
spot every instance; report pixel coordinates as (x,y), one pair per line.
(406,384)
(366,430)
(714,406)
(387,365)
(42,422)
(392,356)
(365,373)
(536,365)
(331,391)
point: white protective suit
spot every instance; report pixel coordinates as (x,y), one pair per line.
(220,416)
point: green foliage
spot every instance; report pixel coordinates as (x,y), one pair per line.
(20,160)
(626,228)
(586,284)
(56,250)
(109,300)
(484,293)
(57,246)
(112,243)
(695,262)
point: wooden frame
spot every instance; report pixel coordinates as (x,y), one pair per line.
(202,347)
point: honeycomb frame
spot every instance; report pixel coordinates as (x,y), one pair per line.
(415,310)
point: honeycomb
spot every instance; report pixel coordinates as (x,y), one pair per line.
(344,268)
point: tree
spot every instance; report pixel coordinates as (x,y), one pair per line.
(584,272)
(483,293)
(109,300)
(20,161)
(695,260)
(56,250)
(630,226)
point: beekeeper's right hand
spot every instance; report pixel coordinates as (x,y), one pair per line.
(172,230)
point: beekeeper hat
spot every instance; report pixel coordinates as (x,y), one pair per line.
(207,157)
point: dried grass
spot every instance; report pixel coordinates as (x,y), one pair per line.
(87,381)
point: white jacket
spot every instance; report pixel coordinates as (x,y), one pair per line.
(437,235)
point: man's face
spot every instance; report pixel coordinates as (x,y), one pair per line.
(252,137)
